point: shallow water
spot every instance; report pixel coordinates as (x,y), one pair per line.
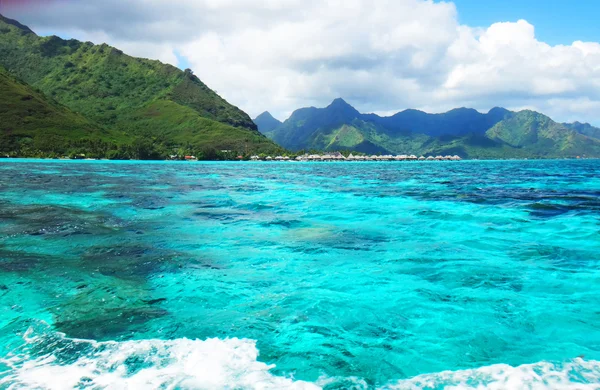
(335,275)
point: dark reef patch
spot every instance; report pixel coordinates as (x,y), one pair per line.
(286,223)
(128,261)
(106,324)
(15,261)
(43,220)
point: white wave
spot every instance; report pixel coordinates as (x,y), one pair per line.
(145,364)
(48,360)
(578,374)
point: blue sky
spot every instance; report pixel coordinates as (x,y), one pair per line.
(556,21)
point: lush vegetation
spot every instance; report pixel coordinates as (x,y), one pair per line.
(33,125)
(96,100)
(465,132)
(584,128)
(536,135)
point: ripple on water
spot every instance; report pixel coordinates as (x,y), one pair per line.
(340,274)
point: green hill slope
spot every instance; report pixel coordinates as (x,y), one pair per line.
(179,126)
(536,135)
(585,129)
(31,124)
(109,88)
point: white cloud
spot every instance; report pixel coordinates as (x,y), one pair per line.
(380,55)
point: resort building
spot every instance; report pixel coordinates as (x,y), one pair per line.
(331,157)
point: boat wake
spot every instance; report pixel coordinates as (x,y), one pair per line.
(49,360)
(577,374)
(52,361)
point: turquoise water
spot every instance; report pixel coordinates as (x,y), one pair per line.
(300,275)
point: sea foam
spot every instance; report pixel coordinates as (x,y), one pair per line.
(46,362)
(53,361)
(577,374)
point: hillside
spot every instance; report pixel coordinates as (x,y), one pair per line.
(584,128)
(30,122)
(536,135)
(500,133)
(114,91)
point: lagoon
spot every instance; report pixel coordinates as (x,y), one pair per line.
(372,275)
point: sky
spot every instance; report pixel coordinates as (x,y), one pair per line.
(381,56)
(556,21)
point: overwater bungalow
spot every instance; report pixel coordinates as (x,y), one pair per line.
(331,157)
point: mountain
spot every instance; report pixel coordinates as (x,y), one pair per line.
(535,134)
(266,122)
(341,127)
(311,128)
(499,133)
(584,128)
(138,99)
(457,122)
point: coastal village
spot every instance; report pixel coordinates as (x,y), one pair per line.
(340,157)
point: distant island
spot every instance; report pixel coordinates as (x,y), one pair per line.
(71,99)
(465,132)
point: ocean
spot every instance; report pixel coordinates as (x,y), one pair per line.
(424,275)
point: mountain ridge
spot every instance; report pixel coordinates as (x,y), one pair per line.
(463,131)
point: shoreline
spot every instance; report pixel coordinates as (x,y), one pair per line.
(274,162)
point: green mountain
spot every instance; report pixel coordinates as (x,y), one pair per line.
(266,122)
(500,133)
(137,101)
(584,128)
(316,128)
(534,134)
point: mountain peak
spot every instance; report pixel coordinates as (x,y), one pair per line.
(266,122)
(341,106)
(265,115)
(462,110)
(498,109)
(16,24)
(339,102)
